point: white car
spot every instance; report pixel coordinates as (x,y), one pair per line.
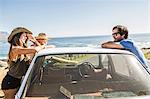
(85,73)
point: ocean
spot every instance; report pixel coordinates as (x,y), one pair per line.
(142,40)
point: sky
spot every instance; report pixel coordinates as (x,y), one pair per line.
(65,18)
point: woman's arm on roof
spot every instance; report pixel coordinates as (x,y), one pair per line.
(20,50)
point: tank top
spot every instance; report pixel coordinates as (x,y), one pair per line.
(19,66)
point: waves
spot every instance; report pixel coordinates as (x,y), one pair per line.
(143,44)
(142,41)
(96,41)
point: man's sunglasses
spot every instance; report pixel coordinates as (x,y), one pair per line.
(121,33)
(115,33)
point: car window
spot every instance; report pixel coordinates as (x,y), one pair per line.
(80,75)
(121,64)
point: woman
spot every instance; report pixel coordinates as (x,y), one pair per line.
(43,40)
(17,60)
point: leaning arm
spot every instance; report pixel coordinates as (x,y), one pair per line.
(21,50)
(111,44)
(31,50)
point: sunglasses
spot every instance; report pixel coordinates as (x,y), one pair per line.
(41,39)
(114,34)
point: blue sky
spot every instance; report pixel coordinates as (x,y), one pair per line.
(59,18)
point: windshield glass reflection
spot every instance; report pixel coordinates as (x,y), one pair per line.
(79,75)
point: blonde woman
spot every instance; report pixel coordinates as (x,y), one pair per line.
(43,40)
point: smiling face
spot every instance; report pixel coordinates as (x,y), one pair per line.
(42,41)
(23,37)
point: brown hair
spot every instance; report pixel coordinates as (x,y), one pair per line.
(122,30)
(14,42)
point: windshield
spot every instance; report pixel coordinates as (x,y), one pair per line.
(84,75)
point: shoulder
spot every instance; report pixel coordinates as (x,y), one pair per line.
(127,41)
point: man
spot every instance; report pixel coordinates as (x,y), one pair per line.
(121,41)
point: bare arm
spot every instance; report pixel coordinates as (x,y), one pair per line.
(31,50)
(111,44)
(32,39)
(21,50)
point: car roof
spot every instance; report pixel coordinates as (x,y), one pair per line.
(61,50)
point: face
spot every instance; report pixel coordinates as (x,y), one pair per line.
(42,41)
(23,37)
(116,35)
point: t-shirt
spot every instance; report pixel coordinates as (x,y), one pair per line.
(130,45)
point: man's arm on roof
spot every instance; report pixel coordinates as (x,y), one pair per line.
(111,44)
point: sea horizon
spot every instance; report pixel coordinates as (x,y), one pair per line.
(142,40)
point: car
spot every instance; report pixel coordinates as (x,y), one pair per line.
(85,73)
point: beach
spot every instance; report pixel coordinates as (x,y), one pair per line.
(3,71)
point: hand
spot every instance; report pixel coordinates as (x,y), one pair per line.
(31,38)
(50,46)
(110,42)
(104,45)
